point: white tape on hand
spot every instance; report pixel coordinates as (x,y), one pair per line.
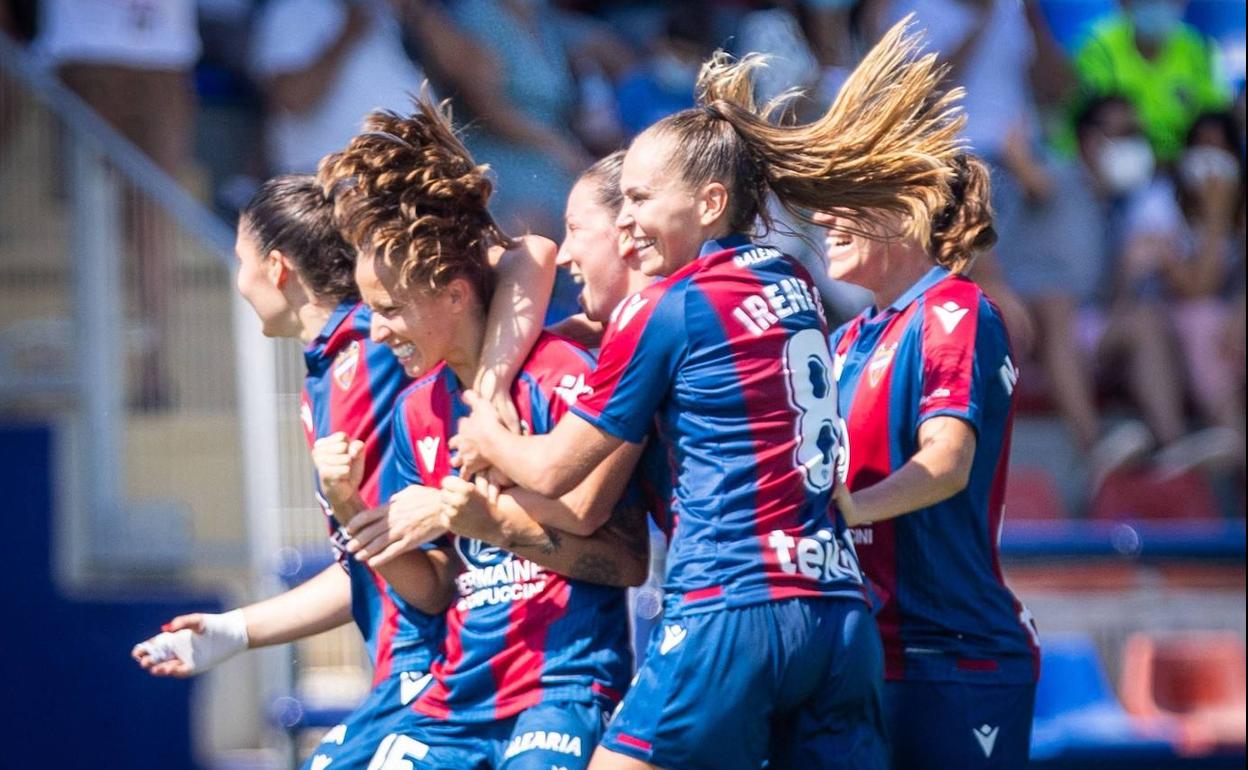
(224,636)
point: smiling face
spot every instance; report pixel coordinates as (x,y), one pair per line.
(418,326)
(260,279)
(666,219)
(850,258)
(591,251)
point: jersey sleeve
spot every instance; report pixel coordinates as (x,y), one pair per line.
(962,336)
(404,449)
(636,365)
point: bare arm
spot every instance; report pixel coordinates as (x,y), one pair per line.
(318,604)
(580,329)
(939,470)
(526,275)
(303,89)
(194,643)
(1051,73)
(484,94)
(591,504)
(551,464)
(424,578)
(617,554)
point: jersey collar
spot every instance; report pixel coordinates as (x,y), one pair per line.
(727,243)
(933,277)
(316,347)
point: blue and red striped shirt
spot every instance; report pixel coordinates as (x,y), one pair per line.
(351,386)
(517,633)
(731,354)
(945,613)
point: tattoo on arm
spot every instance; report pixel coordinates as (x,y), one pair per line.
(592,568)
(547,545)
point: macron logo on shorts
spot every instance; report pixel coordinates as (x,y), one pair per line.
(987,737)
(672,637)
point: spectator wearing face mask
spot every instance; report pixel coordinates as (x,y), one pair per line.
(1121,329)
(1186,233)
(1163,66)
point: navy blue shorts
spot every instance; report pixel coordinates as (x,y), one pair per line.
(352,744)
(794,681)
(558,734)
(939,725)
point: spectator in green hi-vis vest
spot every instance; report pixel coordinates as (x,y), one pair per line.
(1163,66)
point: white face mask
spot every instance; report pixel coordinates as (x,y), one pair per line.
(1126,164)
(1204,162)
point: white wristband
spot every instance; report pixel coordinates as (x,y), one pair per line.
(224,636)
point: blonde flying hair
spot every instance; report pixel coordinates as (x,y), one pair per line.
(407,192)
(885,145)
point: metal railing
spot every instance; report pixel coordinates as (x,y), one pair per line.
(180,449)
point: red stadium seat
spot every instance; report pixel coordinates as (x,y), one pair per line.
(1031,494)
(1139,494)
(1197,678)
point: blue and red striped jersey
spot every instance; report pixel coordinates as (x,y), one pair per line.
(945,613)
(731,354)
(351,386)
(517,634)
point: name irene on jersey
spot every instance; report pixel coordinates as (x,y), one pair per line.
(510,581)
(777,301)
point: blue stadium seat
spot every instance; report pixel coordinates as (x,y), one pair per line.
(1077,714)
(1070,20)
(1219,19)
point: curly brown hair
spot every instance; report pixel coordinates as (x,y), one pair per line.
(963,229)
(406,191)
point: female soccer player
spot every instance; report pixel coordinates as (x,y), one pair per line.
(295,270)
(926,386)
(536,651)
(767,647)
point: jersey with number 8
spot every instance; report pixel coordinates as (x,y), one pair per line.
(730,357)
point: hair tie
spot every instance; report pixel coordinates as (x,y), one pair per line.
(714,111)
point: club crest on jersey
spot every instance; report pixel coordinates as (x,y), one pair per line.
(346,363)
(879,362)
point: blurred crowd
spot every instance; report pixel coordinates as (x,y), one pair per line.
(1117,153)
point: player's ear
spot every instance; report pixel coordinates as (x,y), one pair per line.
(458,294)
(277,267)
(712,203)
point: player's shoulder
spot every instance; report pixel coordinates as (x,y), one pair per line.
(947,306)
(554,356)
(952,298)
